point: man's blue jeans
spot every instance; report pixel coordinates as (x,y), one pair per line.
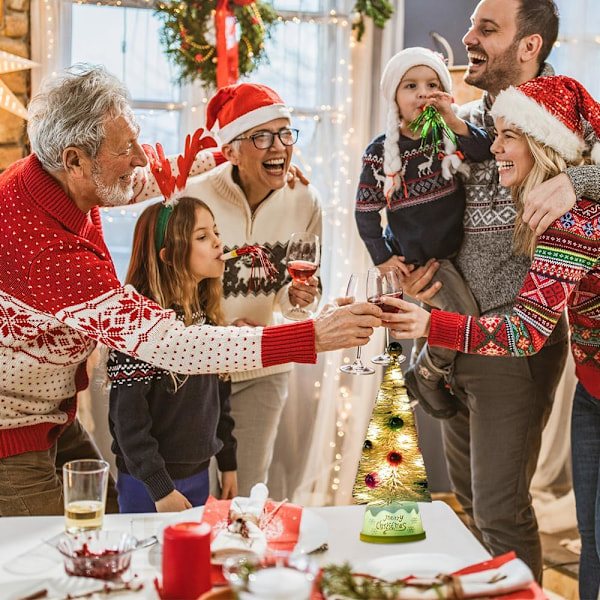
(585,449)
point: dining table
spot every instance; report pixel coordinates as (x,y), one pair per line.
(30,565)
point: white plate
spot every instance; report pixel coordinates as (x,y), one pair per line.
(400,566)
(312,534)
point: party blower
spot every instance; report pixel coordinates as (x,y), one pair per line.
(259,254)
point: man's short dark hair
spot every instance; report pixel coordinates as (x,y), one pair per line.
(538,16)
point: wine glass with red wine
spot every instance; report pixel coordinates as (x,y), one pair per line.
(382,283)
(302,260)
(357,367)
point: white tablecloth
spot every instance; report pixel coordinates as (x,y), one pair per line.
(28,565)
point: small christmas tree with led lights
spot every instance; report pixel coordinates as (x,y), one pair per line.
(391,473)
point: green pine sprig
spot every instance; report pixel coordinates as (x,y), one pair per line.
(431,123)
(339,580)
(378,10)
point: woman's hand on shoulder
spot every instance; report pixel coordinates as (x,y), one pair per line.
(295,174)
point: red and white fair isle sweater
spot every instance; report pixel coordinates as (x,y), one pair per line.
(565,273)
(59,295)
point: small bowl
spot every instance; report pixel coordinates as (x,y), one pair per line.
(98,554)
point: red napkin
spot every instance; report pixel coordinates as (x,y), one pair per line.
(533,592)
(281,530)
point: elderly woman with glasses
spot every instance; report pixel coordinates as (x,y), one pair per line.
(253,205)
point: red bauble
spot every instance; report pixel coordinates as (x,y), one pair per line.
(394,458)
(371,480)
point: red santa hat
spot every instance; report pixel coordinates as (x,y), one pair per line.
(552,111)
(235,109)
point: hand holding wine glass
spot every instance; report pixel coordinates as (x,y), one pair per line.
(357,367)
(382,283)
(302,259)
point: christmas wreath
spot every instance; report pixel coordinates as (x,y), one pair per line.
(198,34)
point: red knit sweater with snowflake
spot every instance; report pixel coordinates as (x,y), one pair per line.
(59,295)
(565,273)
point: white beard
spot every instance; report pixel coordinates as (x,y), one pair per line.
(112,195)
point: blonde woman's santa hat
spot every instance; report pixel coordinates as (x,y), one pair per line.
(237,108)
(393,73)
(552,111)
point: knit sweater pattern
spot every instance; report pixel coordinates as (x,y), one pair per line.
(425,214)
(59,295)
(565,273)
(246,291)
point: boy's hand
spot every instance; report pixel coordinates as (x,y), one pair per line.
(442,102)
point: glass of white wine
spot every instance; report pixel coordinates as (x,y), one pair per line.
(85,483)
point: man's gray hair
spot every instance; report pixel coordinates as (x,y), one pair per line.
(72,110)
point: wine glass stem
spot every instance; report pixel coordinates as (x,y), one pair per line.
(387,340)
(358,351)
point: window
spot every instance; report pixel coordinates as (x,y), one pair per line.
(577,52)
(135,57)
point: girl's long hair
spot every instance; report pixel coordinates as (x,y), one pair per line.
(169,282)
(547,163)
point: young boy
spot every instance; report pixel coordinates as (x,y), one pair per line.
(424,202)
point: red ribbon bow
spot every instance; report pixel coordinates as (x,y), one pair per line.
(227,43)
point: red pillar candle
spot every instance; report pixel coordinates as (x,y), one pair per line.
(186,561)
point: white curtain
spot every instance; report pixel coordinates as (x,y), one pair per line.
(45,39)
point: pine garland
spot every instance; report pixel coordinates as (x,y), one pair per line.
(378,10)
(189,37)
(340,581)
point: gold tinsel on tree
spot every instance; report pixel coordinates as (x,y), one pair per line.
(391,467)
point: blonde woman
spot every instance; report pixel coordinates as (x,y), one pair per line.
(540,128)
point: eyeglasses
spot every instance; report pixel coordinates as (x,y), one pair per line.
(263,140)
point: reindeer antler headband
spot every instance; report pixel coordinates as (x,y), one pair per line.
(169,184)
